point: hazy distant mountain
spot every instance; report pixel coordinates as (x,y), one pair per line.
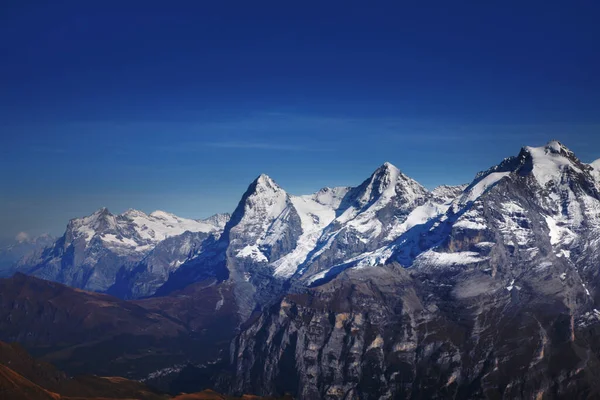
(23,245)
(97,249)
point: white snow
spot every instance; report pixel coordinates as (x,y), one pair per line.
(511,286)
(434,259)
(564,253)
(261,209)
(549,162)
(481,187)
(133,231)
(586,290)
(513,208)
(124,241)
(472,219)
(386,185)
(465,224)
(514,225)
(315,214)
(330,197)
(418,216)
(543,265)
(559,233)
(252,252)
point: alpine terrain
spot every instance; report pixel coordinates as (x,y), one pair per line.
(385,290)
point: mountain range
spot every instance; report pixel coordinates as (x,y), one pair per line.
(382,290)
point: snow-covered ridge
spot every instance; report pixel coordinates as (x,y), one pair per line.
(550,161)
(460,234)
(388,215)
(333,213)
(267,215)
(133,229)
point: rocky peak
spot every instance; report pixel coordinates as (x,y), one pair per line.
(556,147)
(86,227)
(218,220)
(331,197)
(265,182)
(261,204)
(386,183)
(264,198)
(447,193)
(549,163)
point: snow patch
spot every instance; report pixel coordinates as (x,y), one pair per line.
(482,186)
(252,252)
(549,162)
(314,217)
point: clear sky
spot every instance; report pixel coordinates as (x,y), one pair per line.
(180,105)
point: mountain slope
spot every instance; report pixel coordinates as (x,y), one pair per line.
(22,246)
(84,332)
(274,238)
(94,250)
(23,377)
(494,297)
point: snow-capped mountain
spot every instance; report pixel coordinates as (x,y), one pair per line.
(95,248)
(381,290)
(495,296)
(22,246)
(544,198)
(274,238)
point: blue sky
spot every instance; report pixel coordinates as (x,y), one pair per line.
(153,105)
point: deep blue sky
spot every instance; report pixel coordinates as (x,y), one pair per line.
(180,105)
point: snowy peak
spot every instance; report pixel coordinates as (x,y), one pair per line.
(595,171)
(264,198)
(133,230)
(266,183)
(331,197)
(385,184)
(546,164)
(218,220)
(549,163)
(556,147)
(262,203)
(445,193)
(86,227)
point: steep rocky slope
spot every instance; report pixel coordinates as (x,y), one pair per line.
(493,298)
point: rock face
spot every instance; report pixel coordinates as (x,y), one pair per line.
(393,333)
(105,252)
(494,297)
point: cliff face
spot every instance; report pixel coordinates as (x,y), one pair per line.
(394,334)
(494,298)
